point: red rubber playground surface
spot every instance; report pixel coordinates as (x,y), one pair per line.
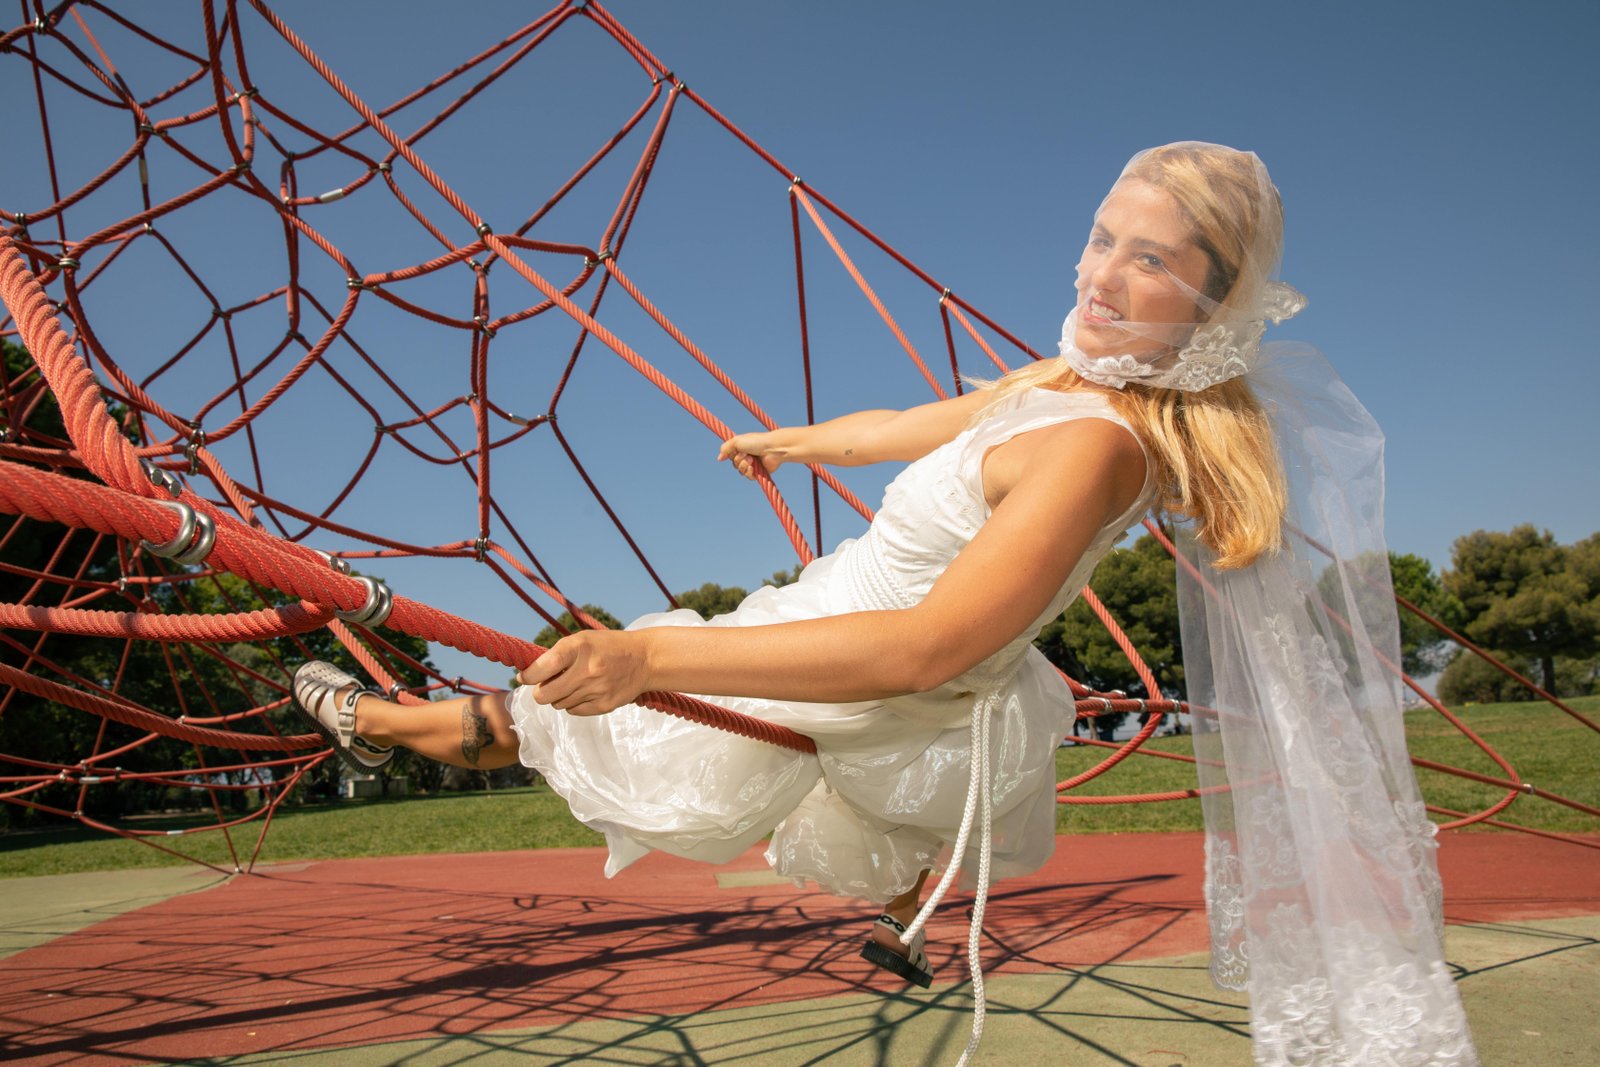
(356,952)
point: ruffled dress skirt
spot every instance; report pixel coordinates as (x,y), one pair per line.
(881,800)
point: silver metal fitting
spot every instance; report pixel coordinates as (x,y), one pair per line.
(591,263)
(375,611)
(162,479)
(197,441)
(340,565)
(483,229)
(480,547)
(67,263)
(186,547)
(943,297)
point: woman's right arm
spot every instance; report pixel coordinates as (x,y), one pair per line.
(858,439)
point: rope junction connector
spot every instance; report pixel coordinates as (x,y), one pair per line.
(338,564)
(482,322)
(180,549)
(375,611)
(197,441)
(67,263)
(590,263)
(480,548)
(482,229)
(162,479)
(944,296)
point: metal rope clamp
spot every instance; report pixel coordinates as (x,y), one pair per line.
(185,547)
(375,611)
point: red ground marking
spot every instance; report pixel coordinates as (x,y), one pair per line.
(348,952)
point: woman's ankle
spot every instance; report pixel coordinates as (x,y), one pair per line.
(372,720)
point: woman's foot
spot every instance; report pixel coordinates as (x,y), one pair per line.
(885,949)
(328,697)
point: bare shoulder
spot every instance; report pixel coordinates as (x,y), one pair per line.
(1094,453)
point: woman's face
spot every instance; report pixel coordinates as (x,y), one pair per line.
(1140,241)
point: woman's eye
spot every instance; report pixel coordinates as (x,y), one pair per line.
(1152,261)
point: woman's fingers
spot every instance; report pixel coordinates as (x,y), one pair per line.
(747,450)
(588,673)
(547,666)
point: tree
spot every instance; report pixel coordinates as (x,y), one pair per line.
(568,623)
(189,679)
(712,599)
(1138,585)
(1423,649)
(1523,594)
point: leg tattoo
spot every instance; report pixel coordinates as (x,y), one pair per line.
(475,733)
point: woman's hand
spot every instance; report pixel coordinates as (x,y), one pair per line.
(747,450)
(589,672)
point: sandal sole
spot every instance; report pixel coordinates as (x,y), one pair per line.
(896,964)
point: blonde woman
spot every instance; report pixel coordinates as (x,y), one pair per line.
(906,655)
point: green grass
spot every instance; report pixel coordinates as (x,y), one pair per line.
(1549,749)
(450,822)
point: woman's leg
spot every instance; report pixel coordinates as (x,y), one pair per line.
(470,731)
(903,909)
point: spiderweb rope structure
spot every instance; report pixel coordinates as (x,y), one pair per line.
(256,303)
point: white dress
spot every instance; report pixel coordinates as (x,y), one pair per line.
(882,799)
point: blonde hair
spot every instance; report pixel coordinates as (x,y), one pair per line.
(1213,450)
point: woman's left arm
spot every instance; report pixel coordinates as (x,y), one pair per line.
(1068,481)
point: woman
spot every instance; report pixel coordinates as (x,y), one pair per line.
(906,655)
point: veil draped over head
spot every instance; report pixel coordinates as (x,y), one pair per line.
(1322,889)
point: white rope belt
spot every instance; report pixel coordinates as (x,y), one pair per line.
(980,797)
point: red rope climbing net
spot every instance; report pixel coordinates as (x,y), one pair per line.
(220,343)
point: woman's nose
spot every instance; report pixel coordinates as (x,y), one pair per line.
(1105,275)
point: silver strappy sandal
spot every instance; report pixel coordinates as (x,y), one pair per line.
(316,692)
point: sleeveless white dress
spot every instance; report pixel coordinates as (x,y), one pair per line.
(883,797)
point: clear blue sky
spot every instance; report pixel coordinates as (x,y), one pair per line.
(1438,164)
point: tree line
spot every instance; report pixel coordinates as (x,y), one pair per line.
(1530,601)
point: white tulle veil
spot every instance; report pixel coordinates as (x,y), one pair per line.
(1322,889)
